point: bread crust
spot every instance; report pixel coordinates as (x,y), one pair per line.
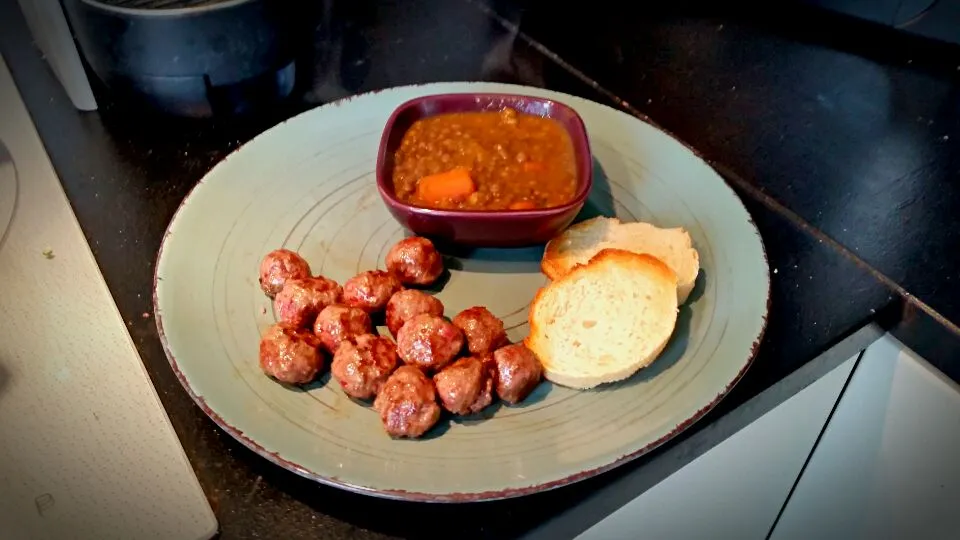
(556,263)
(553,264)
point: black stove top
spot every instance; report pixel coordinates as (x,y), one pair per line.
(158,4)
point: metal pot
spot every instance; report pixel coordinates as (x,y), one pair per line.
(194,58)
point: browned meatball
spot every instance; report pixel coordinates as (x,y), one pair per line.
(415,261)
(289,354)
(371,290)
(338,323)
(278,266)
(466,386)
(300,300)
(361,368)
(518,372)
(484,331)
(429,342)
(407,403)
(409,303)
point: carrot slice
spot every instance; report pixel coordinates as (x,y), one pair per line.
(522,205)
(533,166)
(454,184)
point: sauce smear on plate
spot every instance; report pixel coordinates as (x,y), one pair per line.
(502,160)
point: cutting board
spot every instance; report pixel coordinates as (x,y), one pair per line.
(86,449)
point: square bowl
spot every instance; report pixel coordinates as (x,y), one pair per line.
(484,228)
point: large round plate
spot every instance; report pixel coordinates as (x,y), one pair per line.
(308,185)
(8,190)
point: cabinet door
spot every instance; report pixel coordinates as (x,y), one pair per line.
(887,465)
(736,489)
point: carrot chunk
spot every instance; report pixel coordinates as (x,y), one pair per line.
(452,185)
(522,205)
(533,167)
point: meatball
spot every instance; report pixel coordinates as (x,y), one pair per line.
(415,261)
(407,403)
(466,386)
(361,368)
(289,354)
(278,266)
(518,372)
(429,342)
(370,291)
(338,323)
(409,303)
(300,300)
(484,331)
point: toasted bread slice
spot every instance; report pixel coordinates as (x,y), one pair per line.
(604,320)
(581,242)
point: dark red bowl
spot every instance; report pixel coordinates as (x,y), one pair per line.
(486,228)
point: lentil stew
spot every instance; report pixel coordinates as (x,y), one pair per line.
(502,160)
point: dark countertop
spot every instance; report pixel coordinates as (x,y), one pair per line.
(841,149)
(853,126)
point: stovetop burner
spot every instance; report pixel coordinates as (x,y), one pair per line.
(159,4)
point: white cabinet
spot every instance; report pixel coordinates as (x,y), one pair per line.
(736,489)
(888,464)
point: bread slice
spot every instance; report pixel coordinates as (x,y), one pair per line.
(581,242)
(604,320)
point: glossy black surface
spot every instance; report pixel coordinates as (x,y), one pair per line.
(802,120)
(854,126)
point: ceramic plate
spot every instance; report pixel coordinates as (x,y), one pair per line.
(308,185)
(8,190)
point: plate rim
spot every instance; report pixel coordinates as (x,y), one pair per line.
(456,497)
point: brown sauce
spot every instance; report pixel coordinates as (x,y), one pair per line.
(485,161)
